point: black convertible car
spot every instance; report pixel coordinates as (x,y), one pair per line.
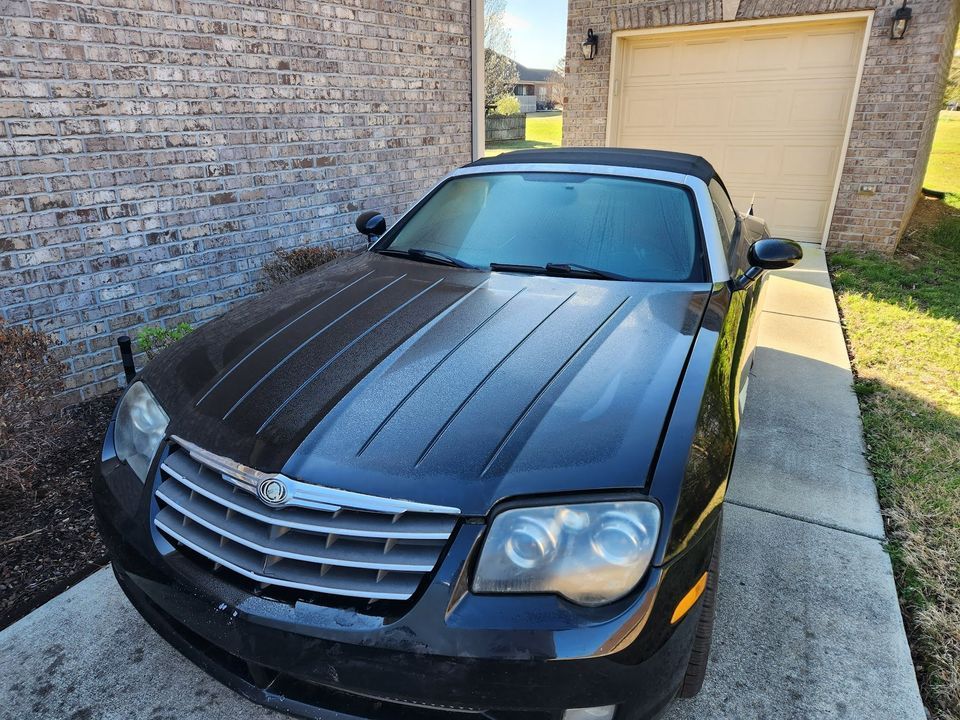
(475,472)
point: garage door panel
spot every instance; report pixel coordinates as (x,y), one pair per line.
(648,113)
(765,54)
(837,49)
(758,160)
(655,60)
(768,106)
(704,59)
(755,108)
(794,215)
(770,196)
(823,107)
(810,164)
(701,145)
(750,163)
(701,111)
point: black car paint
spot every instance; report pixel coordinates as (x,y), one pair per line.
(452,650)
(701,437)
(371,328)
(438,384)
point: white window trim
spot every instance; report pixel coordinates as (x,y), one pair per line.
(478,137)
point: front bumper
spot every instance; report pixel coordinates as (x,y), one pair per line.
(450,654)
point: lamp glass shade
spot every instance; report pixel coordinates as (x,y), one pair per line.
(901,19)
(589,46)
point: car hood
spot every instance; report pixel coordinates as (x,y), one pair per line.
(437,384)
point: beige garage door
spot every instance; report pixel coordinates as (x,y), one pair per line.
(768,105)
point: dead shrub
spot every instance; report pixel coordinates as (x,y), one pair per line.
(287,264)
(30,379)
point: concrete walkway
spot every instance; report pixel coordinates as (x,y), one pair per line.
(808,624)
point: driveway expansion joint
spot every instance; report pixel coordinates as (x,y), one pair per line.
(802,317)
(807,520)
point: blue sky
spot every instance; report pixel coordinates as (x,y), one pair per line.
(539,29)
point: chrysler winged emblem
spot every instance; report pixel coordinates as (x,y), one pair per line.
(272,491)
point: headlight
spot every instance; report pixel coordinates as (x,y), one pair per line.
(590,553)
(140,428)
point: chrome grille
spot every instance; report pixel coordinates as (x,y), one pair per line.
(324,540)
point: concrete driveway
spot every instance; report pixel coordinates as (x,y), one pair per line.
(808,624)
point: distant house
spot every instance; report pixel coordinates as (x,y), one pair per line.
(536,86)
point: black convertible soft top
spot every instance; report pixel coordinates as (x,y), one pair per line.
(619,157)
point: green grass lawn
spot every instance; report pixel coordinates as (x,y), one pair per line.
(943,170)
(544,130)
(901,315)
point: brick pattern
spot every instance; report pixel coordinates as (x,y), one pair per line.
(153,153)
(894,119)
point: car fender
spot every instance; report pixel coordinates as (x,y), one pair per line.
(693,467)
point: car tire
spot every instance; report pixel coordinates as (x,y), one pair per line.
(697,667)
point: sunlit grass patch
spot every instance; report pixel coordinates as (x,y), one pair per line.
(902,320)
(943,170)
(544,130)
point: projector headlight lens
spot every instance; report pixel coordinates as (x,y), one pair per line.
(590,553)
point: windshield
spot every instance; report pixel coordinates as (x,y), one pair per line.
(625,227)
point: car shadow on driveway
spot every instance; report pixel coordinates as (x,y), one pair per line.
(808,621)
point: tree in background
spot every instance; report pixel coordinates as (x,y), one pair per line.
(500,72)
(496,34)
(500,75)
(555,87)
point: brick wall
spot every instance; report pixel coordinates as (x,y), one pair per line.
(946,34)
(894,119)
(153,153)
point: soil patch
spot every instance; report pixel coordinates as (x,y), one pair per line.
(48,538)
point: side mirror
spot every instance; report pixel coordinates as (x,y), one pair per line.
(372,224)
(769,254)
(774,254)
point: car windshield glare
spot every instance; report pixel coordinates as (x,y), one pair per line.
(628,227)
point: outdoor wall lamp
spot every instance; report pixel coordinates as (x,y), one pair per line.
(901,18)
(589,46)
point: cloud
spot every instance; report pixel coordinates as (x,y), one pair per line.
(515,22)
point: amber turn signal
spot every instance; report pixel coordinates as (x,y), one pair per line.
(689,599)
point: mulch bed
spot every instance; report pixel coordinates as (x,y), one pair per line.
(48,538)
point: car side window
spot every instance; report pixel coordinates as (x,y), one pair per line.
(726,215)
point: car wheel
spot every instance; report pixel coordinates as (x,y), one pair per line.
(697,668)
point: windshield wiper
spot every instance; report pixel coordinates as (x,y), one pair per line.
(432,256)
(574,269)
(559,269)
